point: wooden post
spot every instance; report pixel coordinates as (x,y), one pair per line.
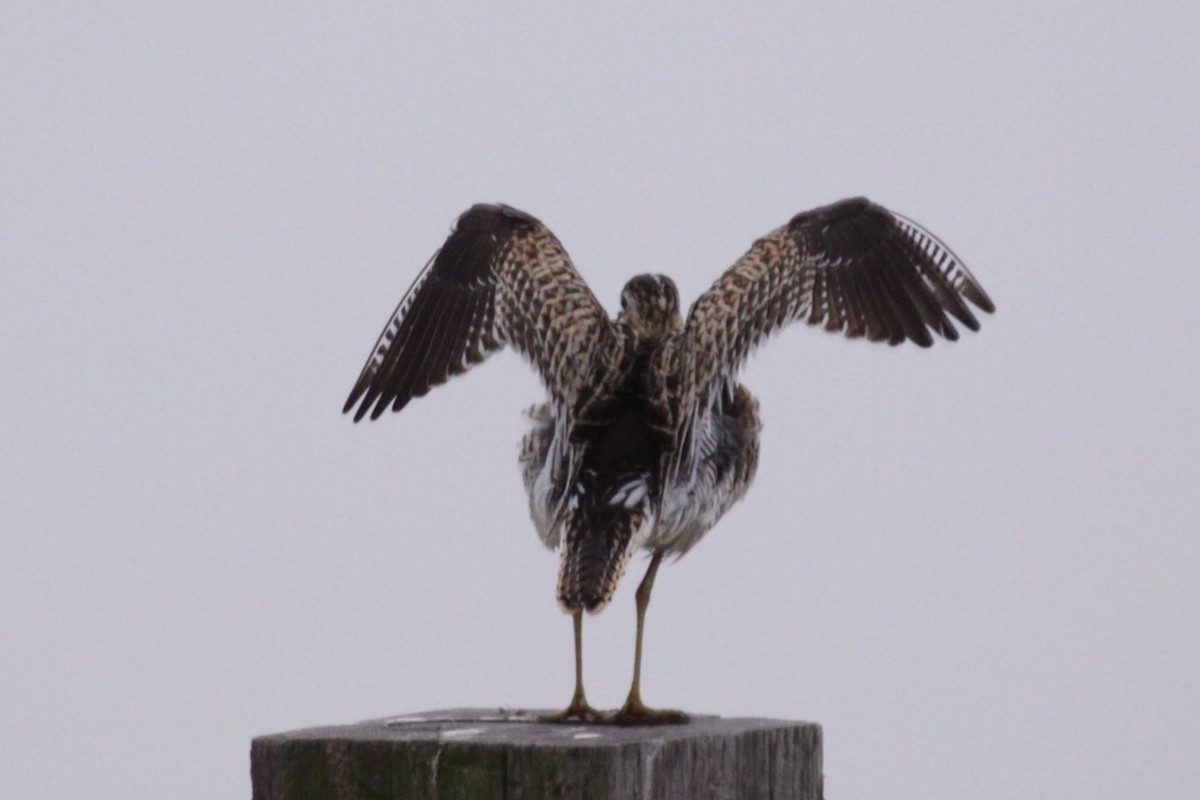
(474,754)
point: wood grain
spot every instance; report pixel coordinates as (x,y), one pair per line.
(490,754)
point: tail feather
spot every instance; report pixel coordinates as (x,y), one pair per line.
(596,549)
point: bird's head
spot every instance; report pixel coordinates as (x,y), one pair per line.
(650,306)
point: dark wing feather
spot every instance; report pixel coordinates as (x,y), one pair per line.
(501,278)
(852,266)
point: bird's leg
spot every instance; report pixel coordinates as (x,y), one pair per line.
(579,708)
(634,712)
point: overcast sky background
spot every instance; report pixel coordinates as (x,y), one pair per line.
(976,566)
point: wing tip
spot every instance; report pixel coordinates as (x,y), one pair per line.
(969,288)
(979,298)
(921,338)
(355,395)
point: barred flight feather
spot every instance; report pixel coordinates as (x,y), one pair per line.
(500,278)
(853,266)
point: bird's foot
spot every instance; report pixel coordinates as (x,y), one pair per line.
(635,713)
(579,711)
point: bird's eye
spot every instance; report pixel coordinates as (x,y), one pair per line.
(624,303)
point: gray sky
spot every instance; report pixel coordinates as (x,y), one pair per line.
(976,565)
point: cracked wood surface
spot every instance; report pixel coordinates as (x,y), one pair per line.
(503,754)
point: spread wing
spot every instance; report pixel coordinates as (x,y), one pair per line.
(501,278)
(852,266)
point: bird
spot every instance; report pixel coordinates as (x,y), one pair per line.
(646,438)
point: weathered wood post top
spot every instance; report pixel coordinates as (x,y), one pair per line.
(490,754)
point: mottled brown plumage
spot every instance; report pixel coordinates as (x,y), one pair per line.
(646,438)
(501,278)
